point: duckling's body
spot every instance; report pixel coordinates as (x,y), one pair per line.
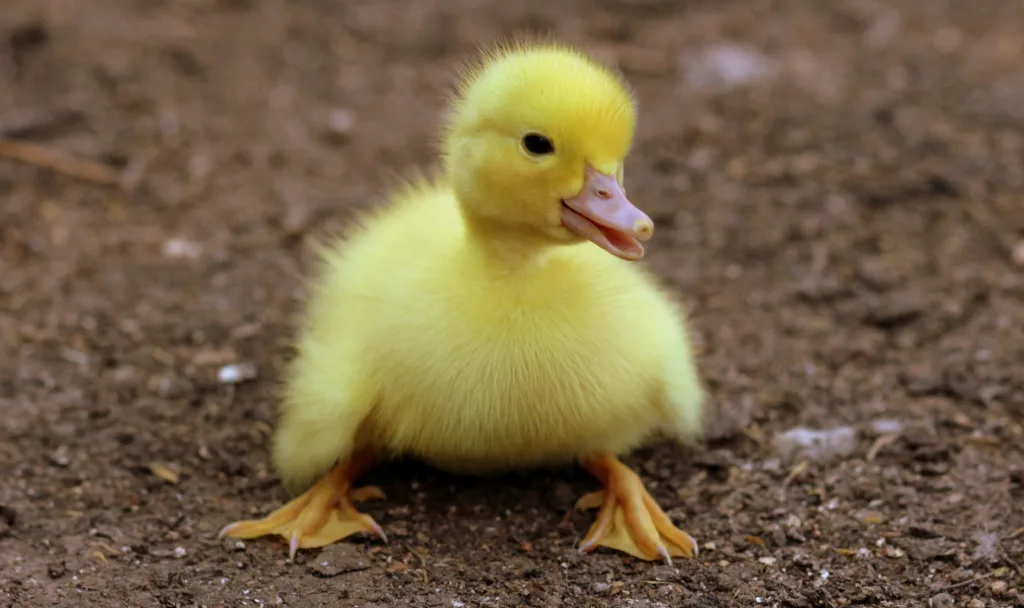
(477,361)
(494,318)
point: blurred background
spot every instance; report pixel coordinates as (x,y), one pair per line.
(838,193)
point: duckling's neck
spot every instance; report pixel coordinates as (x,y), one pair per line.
(508,248)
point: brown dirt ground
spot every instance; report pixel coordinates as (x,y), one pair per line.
(848,232)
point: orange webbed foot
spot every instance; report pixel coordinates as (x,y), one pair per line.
(319,517)
(628,519)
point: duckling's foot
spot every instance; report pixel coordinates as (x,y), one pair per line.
(321,516)
(629,520)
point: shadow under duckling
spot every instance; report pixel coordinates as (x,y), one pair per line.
(493,318)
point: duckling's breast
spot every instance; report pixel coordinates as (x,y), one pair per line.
(517,376)
(489,413)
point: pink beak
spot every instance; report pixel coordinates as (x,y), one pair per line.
(602,214)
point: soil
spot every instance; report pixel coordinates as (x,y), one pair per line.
(845,225)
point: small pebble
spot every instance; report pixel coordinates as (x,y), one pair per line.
(600,588)
(814,444)
(61,460)
(1018,254)
(339,122)
(895,552)
(297,218)
(727,66)
(181,248)
(236,373)
(56,570)
(976,603)
(998,587)
(884,426)
(942,600)
(179,552)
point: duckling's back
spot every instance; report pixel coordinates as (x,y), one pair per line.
(423,346)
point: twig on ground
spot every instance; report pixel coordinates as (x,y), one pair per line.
(880,443)
(54,160)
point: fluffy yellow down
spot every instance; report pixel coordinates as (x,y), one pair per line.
(458,325)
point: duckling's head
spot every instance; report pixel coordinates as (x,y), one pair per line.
(535,147)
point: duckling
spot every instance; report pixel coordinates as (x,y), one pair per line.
(493,317)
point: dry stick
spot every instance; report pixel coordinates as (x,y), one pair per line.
(976,579)
(1013,563)
(880,443)
(797,470)
(41,156)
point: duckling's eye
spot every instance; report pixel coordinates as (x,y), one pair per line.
(537,144)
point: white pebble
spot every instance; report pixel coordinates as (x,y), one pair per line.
(884,426)
(181,248)
(235,373)
(339,121)
(816,445)
(727,66)
(179,552)
(1018,254)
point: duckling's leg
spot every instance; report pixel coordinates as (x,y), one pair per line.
(629,520)
(321,516)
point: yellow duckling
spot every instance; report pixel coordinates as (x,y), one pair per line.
(474,324)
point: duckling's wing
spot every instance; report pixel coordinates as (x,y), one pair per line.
(322,408)
(682,393)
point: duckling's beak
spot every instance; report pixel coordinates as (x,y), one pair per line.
(601,213)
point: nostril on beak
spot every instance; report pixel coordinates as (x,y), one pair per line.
(603,194)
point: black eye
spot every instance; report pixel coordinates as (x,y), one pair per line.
(537,144)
